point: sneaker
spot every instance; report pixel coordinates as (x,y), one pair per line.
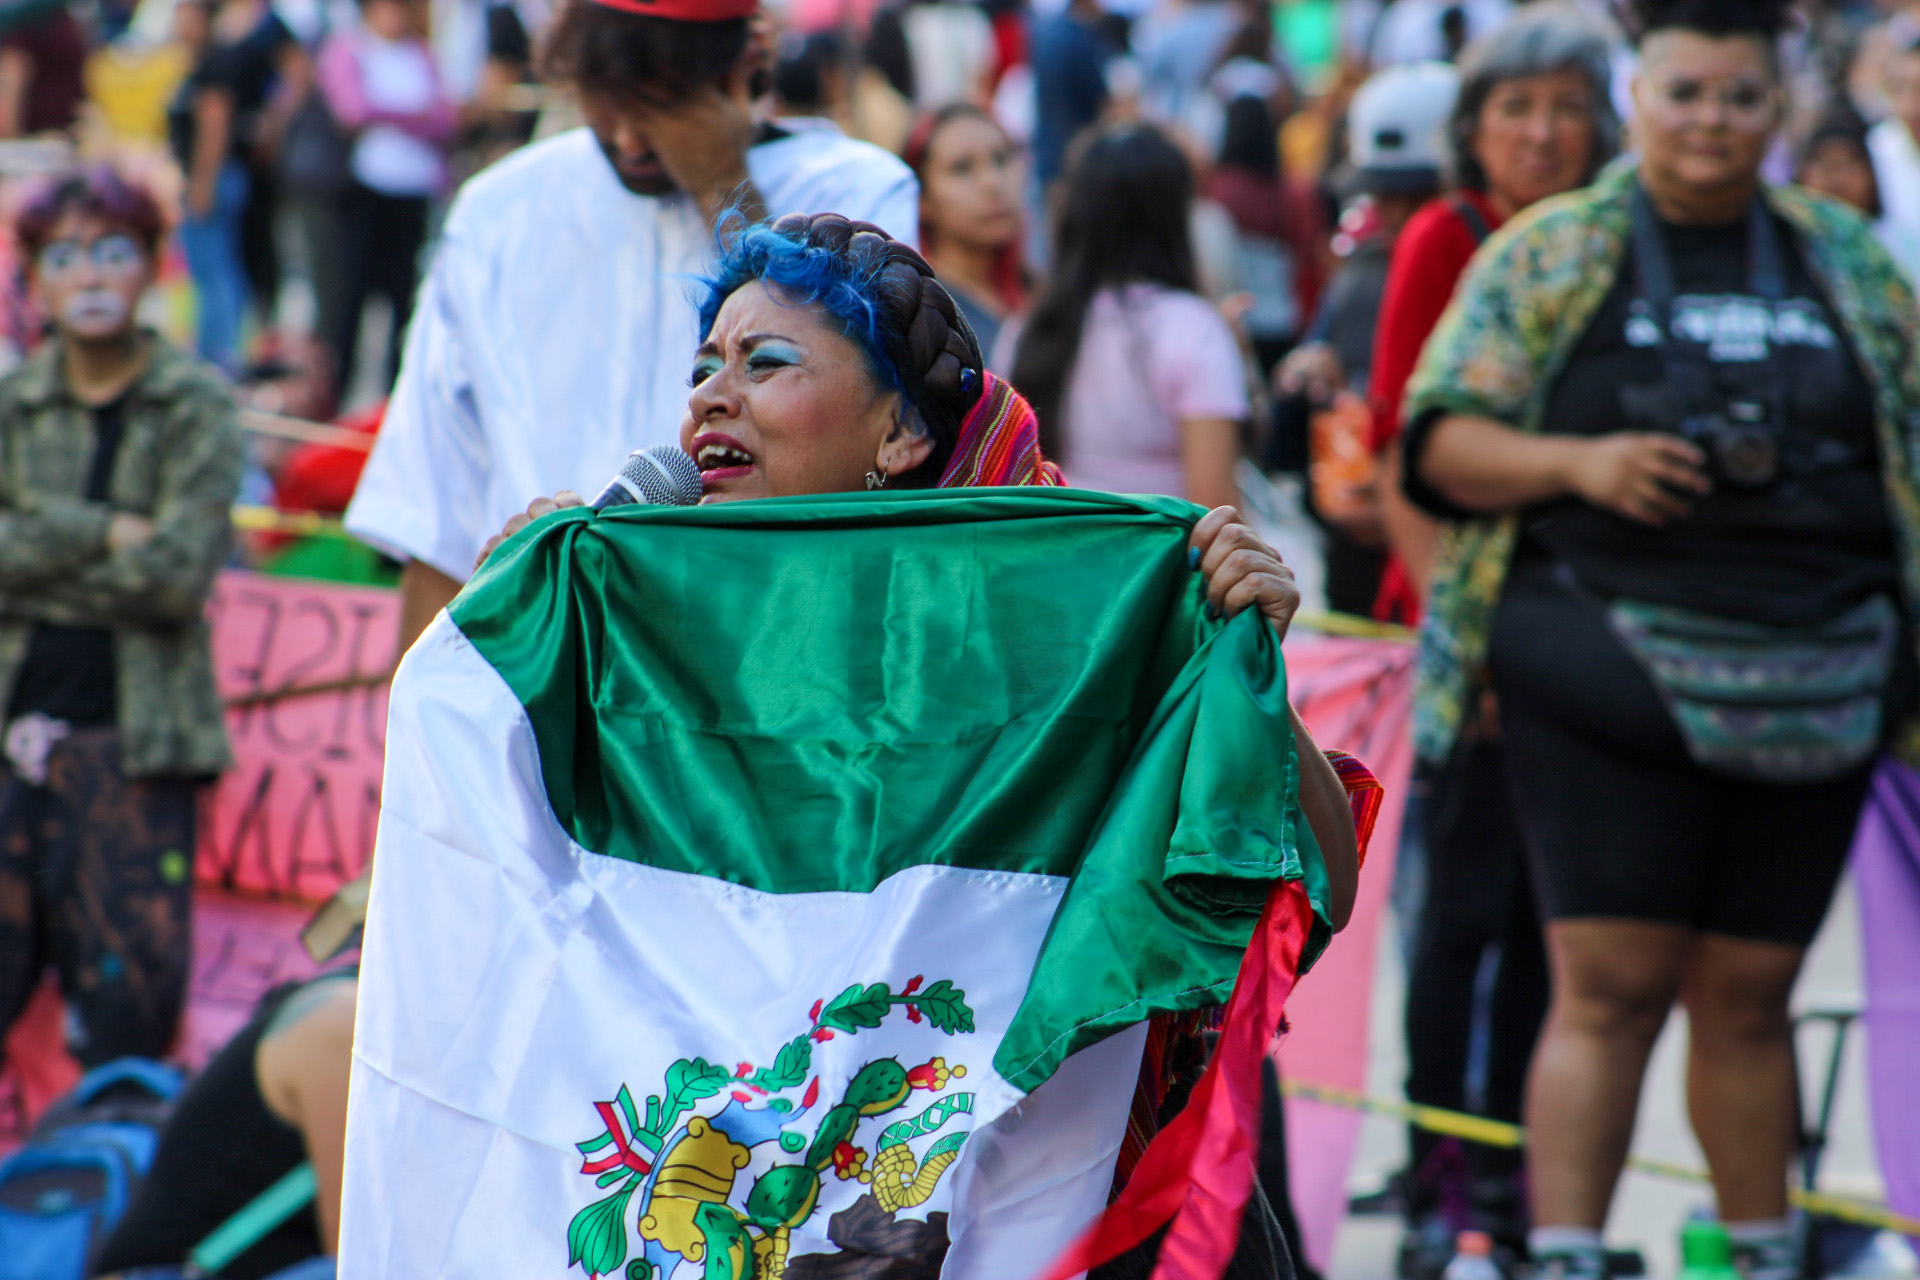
(1775,1258)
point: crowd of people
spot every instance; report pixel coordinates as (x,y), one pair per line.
(1584,341)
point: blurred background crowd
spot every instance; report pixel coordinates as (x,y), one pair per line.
(1209,239)
(303,153)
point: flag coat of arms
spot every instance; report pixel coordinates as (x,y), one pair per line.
(765,888)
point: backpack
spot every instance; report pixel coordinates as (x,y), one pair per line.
(63,1191)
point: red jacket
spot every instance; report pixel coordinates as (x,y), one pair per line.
(1428,261)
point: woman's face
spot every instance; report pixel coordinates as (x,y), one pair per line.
(390,19)
(1705,108)
(1534,137)
(785,403)
(1838,168)
(192,22)
(971,191)
(89,278)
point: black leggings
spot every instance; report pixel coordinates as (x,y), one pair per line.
(1620,823)
(380,241)
(1478,910)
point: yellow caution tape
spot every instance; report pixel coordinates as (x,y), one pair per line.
(269,520)
(1498,1133)
(1349,626)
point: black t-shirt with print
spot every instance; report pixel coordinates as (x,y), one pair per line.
(1802,551)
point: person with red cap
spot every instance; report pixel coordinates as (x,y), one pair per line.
(555,329)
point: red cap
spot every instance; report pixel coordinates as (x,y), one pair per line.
(686,10)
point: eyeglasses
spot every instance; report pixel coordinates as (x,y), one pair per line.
(112,255)
(1748,104)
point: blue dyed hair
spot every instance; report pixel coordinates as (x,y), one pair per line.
(844,284)
(885,298)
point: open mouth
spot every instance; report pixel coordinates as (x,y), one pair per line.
(720,458)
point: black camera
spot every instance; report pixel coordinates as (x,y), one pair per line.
(1742,444)
(1742,447)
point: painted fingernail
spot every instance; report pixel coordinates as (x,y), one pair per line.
(1213,612)
(1193,557)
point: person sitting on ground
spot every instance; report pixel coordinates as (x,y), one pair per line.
(122,461)
(273,1098)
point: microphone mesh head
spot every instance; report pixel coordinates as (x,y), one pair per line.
(665,474)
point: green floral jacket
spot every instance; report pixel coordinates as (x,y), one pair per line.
(179,464)
(1524,305)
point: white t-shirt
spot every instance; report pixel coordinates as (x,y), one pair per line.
(1896,166)
(1410,30)
(952,50)
(396,76)
(556,328)
(1150,357)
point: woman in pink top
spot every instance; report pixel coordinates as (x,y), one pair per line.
(1139,383)
(381,84)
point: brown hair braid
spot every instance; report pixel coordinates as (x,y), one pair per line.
(927,337)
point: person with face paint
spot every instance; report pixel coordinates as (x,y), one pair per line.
(554,331)
(120,458)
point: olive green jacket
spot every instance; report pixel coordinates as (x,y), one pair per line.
(1521,309)
(179,465)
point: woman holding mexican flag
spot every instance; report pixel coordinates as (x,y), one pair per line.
(843,860)
(813,315)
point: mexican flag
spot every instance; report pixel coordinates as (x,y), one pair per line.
(777,888)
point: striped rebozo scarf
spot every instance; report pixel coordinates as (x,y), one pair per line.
(999,443)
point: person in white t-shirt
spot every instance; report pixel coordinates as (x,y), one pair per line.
(1892,145)
(1432,30)
(381,85)
(555,329)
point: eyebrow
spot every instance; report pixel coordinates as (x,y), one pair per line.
(752,340)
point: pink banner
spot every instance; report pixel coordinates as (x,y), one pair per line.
(286,826)
(295,816)
(1356,696)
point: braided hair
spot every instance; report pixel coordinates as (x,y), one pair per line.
(888,302)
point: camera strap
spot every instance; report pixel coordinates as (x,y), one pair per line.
(1688,368)
(1766,262)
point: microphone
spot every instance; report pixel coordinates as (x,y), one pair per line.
(663,476)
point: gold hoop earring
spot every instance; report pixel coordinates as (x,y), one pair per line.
(876,479)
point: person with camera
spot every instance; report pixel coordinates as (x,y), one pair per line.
(1672,418)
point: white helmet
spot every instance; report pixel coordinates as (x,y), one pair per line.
(1397,128)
